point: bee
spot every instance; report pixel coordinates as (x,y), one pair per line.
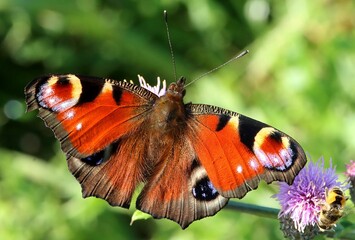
(332,209)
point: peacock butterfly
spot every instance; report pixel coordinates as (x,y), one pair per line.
(191,157)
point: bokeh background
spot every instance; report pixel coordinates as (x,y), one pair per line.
(299,77)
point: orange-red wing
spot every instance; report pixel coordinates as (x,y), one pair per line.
(237,151)
(113,173)
(88,114)
(179,188)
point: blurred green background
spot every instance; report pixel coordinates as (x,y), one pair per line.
(299,77)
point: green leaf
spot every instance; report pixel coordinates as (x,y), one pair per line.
(139,215)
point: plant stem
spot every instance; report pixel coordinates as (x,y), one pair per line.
(253,209)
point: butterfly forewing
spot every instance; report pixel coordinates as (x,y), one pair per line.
(87,114)
(237,151)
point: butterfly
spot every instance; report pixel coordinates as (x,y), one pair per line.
(191,158)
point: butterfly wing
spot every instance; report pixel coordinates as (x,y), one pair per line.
(237,152)
(179,188)
(114,173)
(93,119)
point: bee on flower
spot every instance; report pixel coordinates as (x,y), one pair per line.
(303,202)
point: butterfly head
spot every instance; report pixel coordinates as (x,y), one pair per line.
(177,89)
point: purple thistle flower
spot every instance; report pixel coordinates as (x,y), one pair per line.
(154,89)
(301,201)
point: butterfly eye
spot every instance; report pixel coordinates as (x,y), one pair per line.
(102,156)
(204,190)
(95,159)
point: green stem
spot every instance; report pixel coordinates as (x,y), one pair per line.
(253,209)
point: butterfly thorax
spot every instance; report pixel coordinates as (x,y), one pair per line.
(169,111)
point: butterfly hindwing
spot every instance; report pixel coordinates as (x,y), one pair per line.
(112,174)
(237,151)
(179,188)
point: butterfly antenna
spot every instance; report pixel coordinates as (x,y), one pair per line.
(170,45)
(220,66)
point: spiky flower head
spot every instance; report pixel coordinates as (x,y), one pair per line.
(301,202)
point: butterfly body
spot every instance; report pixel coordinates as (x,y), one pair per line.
(191,157)
(168,111)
